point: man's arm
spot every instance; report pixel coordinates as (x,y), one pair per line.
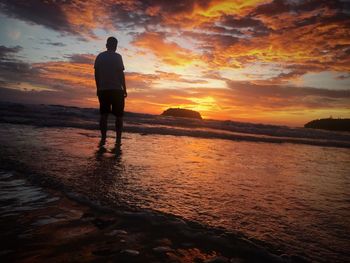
(122,75)
(97,80)
(123,84)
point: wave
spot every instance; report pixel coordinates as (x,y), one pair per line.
(86,118)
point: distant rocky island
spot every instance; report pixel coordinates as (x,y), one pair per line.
(330,124)
(183,113)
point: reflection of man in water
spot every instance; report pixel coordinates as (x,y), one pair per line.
(111,89)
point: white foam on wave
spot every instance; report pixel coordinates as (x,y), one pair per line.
(86,118)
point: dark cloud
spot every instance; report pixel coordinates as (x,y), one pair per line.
(57,44)
(239,27)
(15,69)
(50,43)
(74,17)
(125,17)
(80,18)
(278,7)
(342,77)
(46,13)
(294,71)
(241,24)
(47,82)
(278,96)
(11,68)
(319,11)
(32,96)
(8,52)
(81,58)
(151,14)
(249,88)
(273,8)
(209,41)
(323,18)
(174,7)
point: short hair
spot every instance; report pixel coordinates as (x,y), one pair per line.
(112,43)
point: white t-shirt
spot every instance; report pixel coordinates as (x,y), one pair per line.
(108,66)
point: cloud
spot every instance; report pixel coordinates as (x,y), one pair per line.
(47,81)
(75,78)
(47,41)
(247,26)
(13,69)
(211,36)
(49,14)
(167,51)
(280,97)
(229,34)
(9,52)
(73,17)
(141,81)
(81,58)
(38,96)
(71,83)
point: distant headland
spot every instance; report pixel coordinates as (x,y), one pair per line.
(184,113)
(330,124)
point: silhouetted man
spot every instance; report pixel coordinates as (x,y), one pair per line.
(111,88)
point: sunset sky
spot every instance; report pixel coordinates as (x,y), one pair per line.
(284,62)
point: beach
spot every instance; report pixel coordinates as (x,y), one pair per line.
(44,225)
(166,197)
(175,131)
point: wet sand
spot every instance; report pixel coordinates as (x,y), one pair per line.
(44,225)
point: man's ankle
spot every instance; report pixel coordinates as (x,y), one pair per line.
(102,141)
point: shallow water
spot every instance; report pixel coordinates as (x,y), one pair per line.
(85,118)
(17,196)
(292,197)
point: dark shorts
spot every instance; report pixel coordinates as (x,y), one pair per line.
(111,101)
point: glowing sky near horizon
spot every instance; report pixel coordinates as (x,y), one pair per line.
(283,62)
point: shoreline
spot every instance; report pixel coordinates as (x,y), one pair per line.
(65,229)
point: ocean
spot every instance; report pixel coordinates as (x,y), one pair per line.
(283,188)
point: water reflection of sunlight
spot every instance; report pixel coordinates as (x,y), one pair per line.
(291,190)
(104,171)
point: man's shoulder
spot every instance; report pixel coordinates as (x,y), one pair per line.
(117,56)
(107,54)
(102,54)
(107,57)
(98,57)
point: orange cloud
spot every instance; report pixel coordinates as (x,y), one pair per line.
(202,12)
(85,16)
(297,37)
(169,52)
(72,84)
(315,47)
(72,74)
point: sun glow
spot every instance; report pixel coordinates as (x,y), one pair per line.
(203,105)
(259,60)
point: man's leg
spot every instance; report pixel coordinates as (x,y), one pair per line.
(103,127)
(118,130)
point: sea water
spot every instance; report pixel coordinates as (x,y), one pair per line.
(293,198)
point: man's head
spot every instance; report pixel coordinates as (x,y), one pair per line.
(112,43)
